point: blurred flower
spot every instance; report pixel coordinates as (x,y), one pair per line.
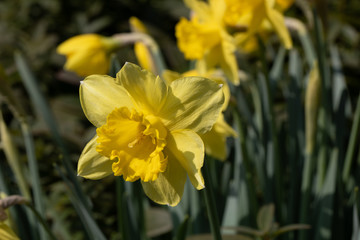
(142,52)
(148,130)
(215,139)
(7,233)
(204,37)
(257,16)
(88,53)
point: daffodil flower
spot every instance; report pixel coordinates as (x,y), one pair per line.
(148,130)
(88,53)
(253,14)
(215,139)
(205,39)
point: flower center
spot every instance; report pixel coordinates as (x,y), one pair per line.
(135,143)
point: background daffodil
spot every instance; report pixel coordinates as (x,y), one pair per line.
(256,15)
(205,39)
(148,130)
(88,53)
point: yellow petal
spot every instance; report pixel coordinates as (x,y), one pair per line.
(215,139)
(149,93)
(168,188)
(144,57)
(77,43)
(188,149)
(92,164)
(85,63)
(100,95)
(278,22)
(228,60)
(192,103)
(170,76)
(137,26)
(201,9)
(7,233)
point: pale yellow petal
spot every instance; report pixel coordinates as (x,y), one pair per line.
(88,62)
(215,139)
(137,26)
(144,57)
(168,188)
(188,148)
(147,91)
(192,103)
(228,60)
(257,19)
(100,95)
(77,43)
(170,76)
(278,22)
(93,165)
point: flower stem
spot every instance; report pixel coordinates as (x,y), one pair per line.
(210,204)
(41,220)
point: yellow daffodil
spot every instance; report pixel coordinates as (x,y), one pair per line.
(148,130)
(255,14)
(204,37)
(142,52)
(7,233)
(215,139)
(88,53)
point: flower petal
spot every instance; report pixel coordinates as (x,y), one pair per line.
(215,139)
(188,148)
(149,93)
(278,22)
(100,95)
(77,43)
(192,103)
(168,188)
(92,164)
(88,62)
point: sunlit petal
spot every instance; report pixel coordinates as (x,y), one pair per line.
(192,103)
(100,95)
(168,188)
(148,92)
(92,164)
(188,148)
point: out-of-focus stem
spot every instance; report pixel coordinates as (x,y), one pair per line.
(210,204)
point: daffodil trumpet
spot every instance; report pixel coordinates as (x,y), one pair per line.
(148,130)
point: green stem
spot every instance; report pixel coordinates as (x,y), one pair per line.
(272,149)
(34,172)
(139,194)
(121,209)
(249,173)
(44,224)
(210,204)
(354,134)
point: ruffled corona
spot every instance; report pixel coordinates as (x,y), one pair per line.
(135,143)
